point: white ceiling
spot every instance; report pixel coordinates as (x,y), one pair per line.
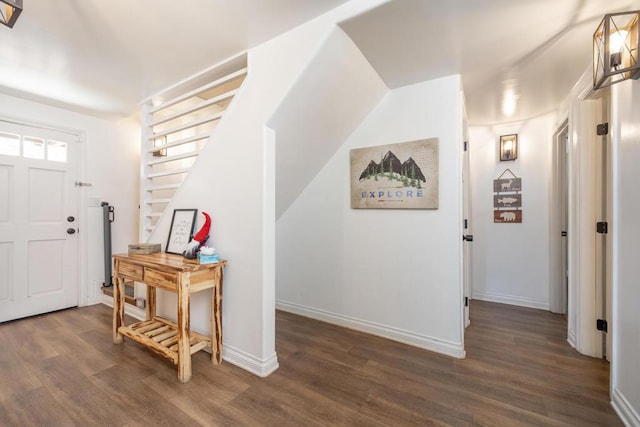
(535,48)
(105,56)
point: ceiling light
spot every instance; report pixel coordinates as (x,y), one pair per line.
(509,99)
(9,12)
(509,104)
(615,49)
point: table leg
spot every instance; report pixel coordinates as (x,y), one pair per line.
(216,318)
(184,348)
(118,307)
(151,302)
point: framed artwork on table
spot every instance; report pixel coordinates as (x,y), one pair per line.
(181,230)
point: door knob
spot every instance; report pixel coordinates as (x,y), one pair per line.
(71,231)
(70,219)
(468,238)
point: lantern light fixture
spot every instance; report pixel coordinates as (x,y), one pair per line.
(615,49)
(9,12)
(508,147)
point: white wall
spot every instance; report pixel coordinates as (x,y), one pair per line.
(111,164)
(511,261)
(327,102)
(234,181)
(394,273)
(625,135)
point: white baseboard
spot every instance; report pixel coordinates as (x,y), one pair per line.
(512,300)
(407,337)
(261,368)
(571,338)
(625,411)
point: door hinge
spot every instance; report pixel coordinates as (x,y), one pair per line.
(466,145)
(602,227)
(564,234)
(82,184)
(601,325)
(466,224)
(466,301)
(602,129)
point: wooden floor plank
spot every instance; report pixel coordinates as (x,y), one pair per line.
(63,369)
(35,407)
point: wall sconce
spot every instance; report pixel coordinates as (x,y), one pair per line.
(615,49)
(161,141)
(508,147)
(9,12)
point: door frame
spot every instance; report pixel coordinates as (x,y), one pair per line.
(584,110)
(604,212)
(83,237)
(558,291)
(467,261)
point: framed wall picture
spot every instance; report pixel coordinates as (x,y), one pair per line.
(181,230)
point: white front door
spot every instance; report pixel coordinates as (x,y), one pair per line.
(38,220)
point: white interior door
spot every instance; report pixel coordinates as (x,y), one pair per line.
(38,221)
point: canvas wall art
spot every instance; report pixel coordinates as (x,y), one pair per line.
(395,176)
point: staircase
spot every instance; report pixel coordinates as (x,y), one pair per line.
(176,126)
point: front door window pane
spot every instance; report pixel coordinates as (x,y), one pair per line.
(57,151)
(9,144)
(33,147)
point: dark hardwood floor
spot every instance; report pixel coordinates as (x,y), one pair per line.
(62,369)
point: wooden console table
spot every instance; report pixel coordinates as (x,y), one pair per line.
(173,273)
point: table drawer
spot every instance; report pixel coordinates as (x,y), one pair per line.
(160,279)
(130,270)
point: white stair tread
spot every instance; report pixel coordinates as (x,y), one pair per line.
(199,90)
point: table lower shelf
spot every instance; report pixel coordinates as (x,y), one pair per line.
(161,336)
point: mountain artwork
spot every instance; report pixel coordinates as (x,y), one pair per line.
(395,176)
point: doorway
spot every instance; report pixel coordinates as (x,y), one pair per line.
(39,217)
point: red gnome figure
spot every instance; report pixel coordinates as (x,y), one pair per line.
(199,239)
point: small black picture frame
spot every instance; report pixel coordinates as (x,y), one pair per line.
(181,230)
(508,147)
